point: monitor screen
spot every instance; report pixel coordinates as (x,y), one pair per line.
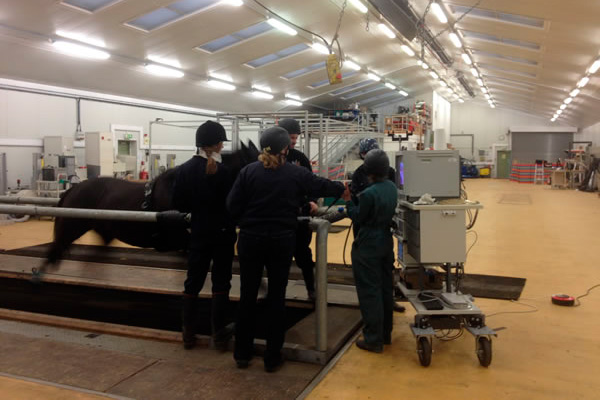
(399,172)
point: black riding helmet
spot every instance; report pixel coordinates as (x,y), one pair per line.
(209,134)
(290,125)
(274,139)
(377,163)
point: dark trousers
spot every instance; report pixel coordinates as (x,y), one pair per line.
(218,247)
(257,251)
(303,255)
(372,265)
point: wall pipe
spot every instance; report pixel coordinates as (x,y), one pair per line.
(136,216)
(45,201)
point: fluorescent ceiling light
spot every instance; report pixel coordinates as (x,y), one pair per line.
(293,97)
(461,101)
(293,102)
(262,95)
(235,3)
(407,50)
(275,23)
(320,48)
(439,13)
(555,116)
(161,70)
(455,39)
(563,106)
(558,112)
(160,60)
(474,72)
(479,82)
(389,85)
(467,59)
(217,84)
(568,100)
(352,65)
(403,93)
(493,106)
(425,66)
(81,38)
(553,119)
(583,82)
(444,84)
(80,50)
(387,31)
(434,75)
(487,96)
(574,92)
(373,77)
(419,62)
(595,66)
(483,89)
(360,6)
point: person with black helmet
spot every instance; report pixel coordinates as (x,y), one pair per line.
(201,187)
(373,251)
(302,252)
(360,179)
(264,201)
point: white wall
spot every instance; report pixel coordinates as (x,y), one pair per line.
(591,133)
(25,118)
(441,120)
(488,125)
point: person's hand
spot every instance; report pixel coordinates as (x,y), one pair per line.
(313,208)
(346,196)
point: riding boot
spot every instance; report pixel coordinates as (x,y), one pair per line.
(190,306)
(221,331)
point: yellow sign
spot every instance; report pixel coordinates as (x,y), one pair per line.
(333,70)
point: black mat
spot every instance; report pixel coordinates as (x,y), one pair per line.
(492,286)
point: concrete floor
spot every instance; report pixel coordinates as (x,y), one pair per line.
(547,236)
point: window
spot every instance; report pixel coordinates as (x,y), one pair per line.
(89,5)
(499,16)
(357,93)
(236,37)
(351,88)
(281,54)
(503,57)
(171,13)
(492,38)
(304,71)
(345,75)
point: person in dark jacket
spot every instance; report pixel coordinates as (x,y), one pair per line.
(264,201)
(201,187)
(302,252)
(360,178)
(373,252)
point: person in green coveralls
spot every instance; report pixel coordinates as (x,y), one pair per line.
(373,252)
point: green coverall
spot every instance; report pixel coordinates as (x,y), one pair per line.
(373,258)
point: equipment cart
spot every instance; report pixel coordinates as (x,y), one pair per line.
(432,253)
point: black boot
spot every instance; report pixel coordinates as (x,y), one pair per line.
(221,331)
(190,306)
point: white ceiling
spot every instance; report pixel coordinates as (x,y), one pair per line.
(569,42)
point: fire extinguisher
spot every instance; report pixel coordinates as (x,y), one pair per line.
(143,172)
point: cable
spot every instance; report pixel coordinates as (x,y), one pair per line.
(578,303)
(533,309)
(470,247)
(345,243)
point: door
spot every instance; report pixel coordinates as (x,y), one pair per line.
(503,164)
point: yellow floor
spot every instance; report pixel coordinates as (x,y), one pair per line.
(17,389)
(547,236)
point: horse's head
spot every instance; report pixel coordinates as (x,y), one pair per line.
(239,159)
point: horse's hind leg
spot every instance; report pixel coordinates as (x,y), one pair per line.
(66,231)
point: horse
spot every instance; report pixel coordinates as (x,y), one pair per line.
(116,194)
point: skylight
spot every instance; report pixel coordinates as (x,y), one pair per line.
(351,88)
(281,54)
(499,16)
(345,75)
(236,37)
(171,13)
(89,5)
(363,91)
(503,57)
(507,70)
(304,71)
(381,97)
(510,82)
(496,39)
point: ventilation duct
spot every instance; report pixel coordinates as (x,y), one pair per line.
(463,81)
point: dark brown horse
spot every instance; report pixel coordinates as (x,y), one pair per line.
(118,194)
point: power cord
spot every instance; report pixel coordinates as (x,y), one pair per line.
(473,244)
(578,303)
(533,309)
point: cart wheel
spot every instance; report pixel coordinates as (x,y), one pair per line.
(424,351)
(484,351)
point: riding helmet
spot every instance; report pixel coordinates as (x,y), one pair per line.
(274,139)
(377,163)
(210,133)
(290,125)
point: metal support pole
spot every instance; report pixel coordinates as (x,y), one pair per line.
(136,216)
(45,201)
(322,228)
